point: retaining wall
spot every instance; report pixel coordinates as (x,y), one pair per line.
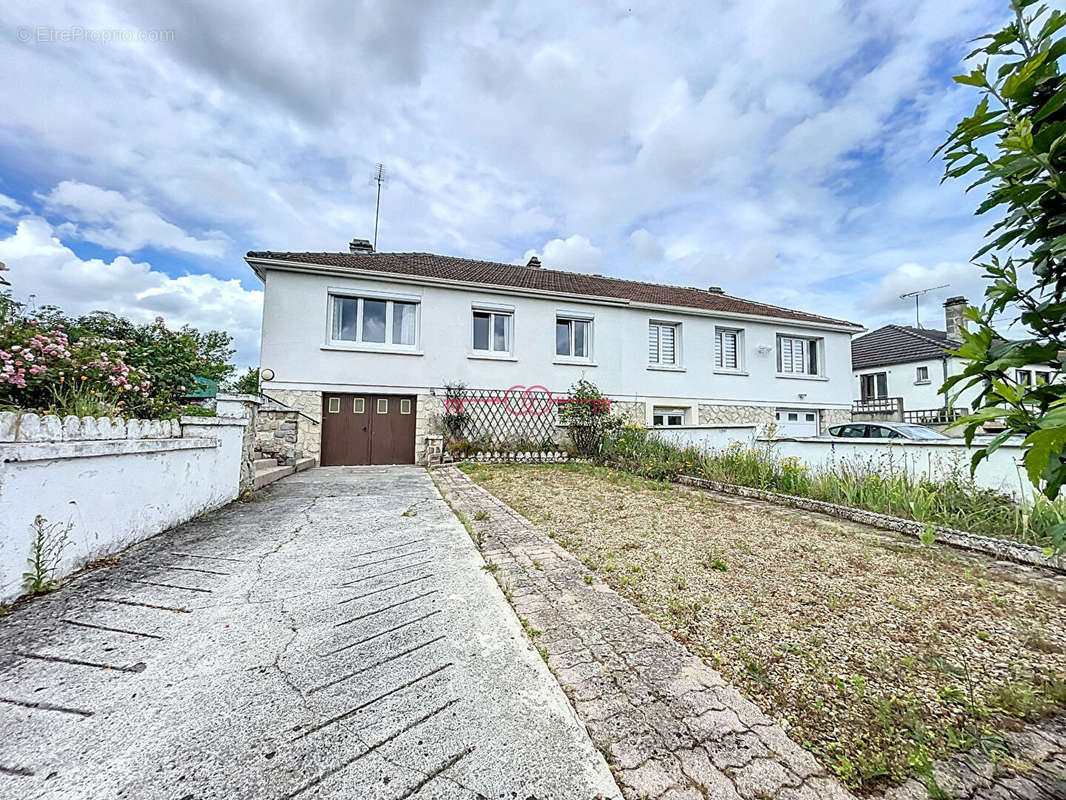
(114,482)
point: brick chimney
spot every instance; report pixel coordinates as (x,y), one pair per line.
(360,246)
(954,322)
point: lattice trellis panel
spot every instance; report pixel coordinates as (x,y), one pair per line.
(504,423)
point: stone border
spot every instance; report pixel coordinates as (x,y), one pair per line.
(999,548)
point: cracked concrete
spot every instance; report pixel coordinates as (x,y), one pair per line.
(338,637)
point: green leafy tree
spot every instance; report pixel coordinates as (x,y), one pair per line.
(1014,144)
(248,383)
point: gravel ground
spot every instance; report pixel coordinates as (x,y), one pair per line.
(876,654)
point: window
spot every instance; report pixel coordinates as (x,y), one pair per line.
(667,417)
(662,343)
(1042,378)
(383,405)
(572,337)
(358,405)
(873,386)
(921,375)
(809,416)
(1024,377)
(375,322)
(849,431)
(797,356)
(727,348)
(492,332)
(405,406)
(878,432)
(334,405)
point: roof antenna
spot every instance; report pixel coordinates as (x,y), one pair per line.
(378,177)
(916,295)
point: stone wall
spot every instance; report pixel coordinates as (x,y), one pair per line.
(833,416)
(633,413)
(428,440)
(286,435)
(736,415)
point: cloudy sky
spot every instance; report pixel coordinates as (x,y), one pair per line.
(779,149)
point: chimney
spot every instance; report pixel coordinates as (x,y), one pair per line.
(954,321)
(360,246)
(533,263)
(715,290)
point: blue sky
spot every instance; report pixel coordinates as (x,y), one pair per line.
(780,150)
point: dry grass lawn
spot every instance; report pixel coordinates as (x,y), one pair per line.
(876,654)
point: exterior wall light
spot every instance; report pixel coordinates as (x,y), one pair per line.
(267,374)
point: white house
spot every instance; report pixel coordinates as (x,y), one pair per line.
(899,368)
(361,342)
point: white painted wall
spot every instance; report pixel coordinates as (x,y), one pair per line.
(1003,471)
(114,491)
(295,346)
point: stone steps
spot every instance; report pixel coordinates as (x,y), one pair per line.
(266,476)
(304,463)
(264,463)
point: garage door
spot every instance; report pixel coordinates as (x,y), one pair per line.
(797,422)
(367,429)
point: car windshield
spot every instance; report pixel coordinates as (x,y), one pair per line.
(920,432)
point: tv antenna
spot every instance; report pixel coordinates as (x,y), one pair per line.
(917,294)
(377,177)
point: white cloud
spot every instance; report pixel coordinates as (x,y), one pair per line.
(575,253)
(41,265)
(107,218)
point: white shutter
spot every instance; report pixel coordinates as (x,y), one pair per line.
(726,357)
(653,343)
(667,335)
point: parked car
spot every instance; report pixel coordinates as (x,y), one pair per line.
(885,430)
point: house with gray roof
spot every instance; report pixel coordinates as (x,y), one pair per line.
(898,371)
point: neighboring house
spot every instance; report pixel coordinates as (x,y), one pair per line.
(346,335)
(898,371)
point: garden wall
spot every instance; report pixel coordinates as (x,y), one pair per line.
(115,482)
(1002,471)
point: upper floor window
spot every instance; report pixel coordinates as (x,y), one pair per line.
(727,348)
(492,332)
(662,343)
(797,356)
(873,386)
(921,375)
(573,337)
(366,320)
(1024,377)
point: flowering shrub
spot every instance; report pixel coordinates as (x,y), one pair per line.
(99,365)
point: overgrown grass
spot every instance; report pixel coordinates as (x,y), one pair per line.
(888,487)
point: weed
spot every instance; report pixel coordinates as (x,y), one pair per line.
(587,577)
(491,566)
(481,515)
(928,535)
(46,550)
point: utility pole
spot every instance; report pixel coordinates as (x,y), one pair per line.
(918,293)
(379,178)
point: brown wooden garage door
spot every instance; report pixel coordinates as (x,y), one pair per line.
(368,429)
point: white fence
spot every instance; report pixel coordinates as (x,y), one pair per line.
(113,481)
(1003,471)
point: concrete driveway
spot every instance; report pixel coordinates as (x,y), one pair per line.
(338,637)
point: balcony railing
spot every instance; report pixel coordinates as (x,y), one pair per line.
(878,405)
(934,416)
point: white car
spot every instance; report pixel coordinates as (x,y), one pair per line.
(885,430)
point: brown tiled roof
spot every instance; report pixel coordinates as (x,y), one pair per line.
(899,344)
(429,265)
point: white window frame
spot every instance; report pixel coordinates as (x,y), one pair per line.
(667,413)
(872,378)
(493,312)
(819,344)
(333,295)
(658,363)
(570,318)
(919,377)
(720,332)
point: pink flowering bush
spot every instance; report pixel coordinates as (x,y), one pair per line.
(101,364)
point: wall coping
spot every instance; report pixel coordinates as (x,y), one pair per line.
(210,421)
(50,451)
(886,442)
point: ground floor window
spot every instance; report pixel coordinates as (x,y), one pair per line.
(667,417)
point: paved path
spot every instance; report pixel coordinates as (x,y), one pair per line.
(337,638)
(672,727)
